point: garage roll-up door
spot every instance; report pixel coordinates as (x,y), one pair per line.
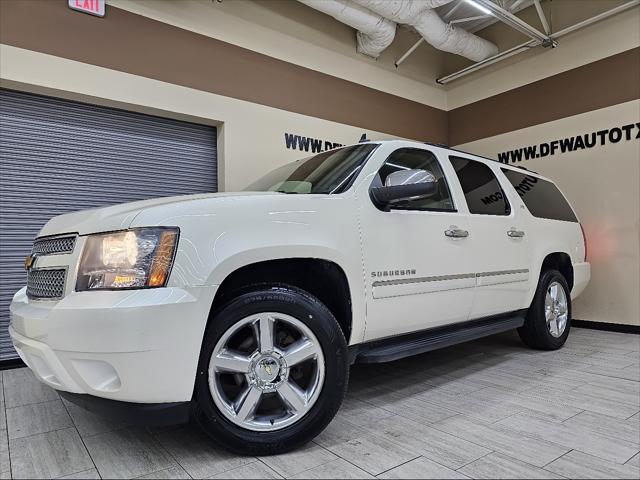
(59,156)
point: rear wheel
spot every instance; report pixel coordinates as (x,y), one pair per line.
(549,318)
(273,371)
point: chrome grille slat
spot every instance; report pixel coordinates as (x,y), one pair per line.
(53,246)
(46,283)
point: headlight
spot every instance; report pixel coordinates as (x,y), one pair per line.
(136,258)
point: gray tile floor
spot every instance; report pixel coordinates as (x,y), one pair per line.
(486,409)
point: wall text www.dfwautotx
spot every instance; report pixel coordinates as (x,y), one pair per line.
(571,144)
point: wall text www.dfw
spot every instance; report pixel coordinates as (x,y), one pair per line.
(307,144)
(571,144)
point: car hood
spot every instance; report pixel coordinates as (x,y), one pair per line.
(119,217)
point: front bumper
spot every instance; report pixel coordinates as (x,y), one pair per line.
(147,414)
(139,346)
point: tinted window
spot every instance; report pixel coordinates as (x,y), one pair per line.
(481,187)
(542,198)
(332,171)
(415,158)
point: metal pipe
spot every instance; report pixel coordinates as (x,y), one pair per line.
(597,18)
(489,61)
(409,52)
(468,19)
(515,4)
(513,21)
(543,18)
(531,44)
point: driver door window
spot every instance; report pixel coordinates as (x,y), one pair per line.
(418,159)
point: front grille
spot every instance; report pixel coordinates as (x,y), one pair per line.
(53,246)
(46,283)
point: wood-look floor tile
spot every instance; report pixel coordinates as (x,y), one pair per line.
(579,465)
(421,468)
(446,449)
(198,454)
(35,418)
(49,455)
(126,453)
(509,442)
(496,465)
(374,453)
(22,388)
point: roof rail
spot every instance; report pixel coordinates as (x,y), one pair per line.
(441,145)
(524,168)
(461,151)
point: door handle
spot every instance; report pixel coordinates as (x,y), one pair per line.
(513,233)
(455,232)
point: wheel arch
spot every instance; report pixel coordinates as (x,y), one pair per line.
(325,279)
(560,261)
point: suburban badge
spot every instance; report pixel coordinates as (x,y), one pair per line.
(393,273)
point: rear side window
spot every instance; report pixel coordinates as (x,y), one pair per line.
(542,198)
(481,188)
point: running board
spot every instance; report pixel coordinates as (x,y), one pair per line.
(395,348)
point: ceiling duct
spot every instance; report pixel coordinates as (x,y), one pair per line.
(375,33)
(443,36)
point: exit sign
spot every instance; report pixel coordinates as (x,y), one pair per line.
(93,7)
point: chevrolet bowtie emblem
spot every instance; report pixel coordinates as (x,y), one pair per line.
(267,368)
(28,262)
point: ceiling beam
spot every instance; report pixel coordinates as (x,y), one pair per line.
(516,23)
(408,52)
(515,4)
(543,18)
(468,19)
(534,43)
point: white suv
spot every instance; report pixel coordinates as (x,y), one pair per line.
(245,310)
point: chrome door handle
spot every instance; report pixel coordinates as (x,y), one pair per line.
(513,233)
(455,232)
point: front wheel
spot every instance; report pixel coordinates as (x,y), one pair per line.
(273,371)
(549,318)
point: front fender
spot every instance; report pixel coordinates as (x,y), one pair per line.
(218,237)
(263,254)
(239,259)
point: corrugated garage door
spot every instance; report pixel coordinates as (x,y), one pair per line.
(59,156)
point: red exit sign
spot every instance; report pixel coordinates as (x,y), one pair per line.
(93,7)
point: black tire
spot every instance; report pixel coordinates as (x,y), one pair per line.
(535,332)
(310,311)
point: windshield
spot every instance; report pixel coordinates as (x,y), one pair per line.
(328,172)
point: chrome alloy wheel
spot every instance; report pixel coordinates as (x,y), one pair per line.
(266,371)
(556,309)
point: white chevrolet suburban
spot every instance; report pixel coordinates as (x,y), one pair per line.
(244,311)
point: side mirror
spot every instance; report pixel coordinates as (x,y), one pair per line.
(405,185)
